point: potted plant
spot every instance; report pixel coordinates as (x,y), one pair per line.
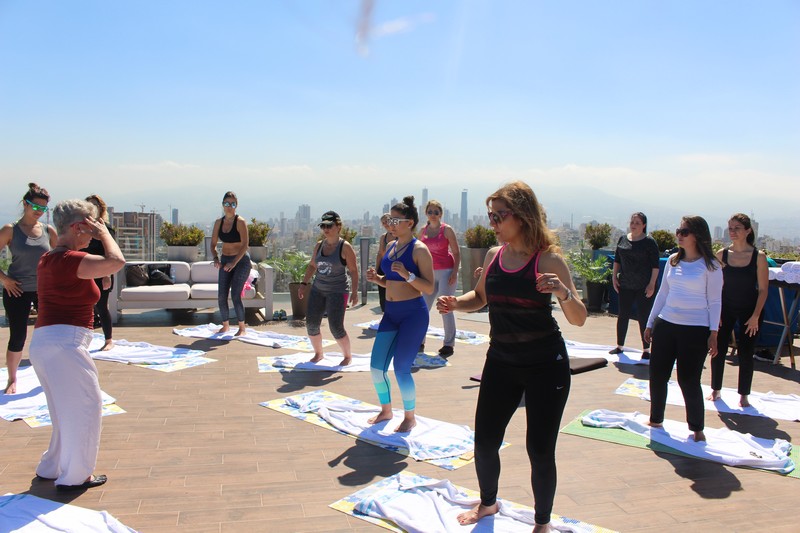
(478,240)
(258,233)
(598,236)
(664,239)
(290,267)
(596,274)
(181,241)
(348,234)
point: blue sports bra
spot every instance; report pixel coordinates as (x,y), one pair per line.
(406,257)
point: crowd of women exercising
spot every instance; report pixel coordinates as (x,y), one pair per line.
(64,272)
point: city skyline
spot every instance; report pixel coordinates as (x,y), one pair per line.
(691,107)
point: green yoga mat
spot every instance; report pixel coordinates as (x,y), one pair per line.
(626,438)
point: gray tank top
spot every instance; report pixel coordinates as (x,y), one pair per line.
(25,254)
(331,271)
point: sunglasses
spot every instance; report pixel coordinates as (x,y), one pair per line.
(683,232)
(37,207)
(736,229)
(498,216)
(395,221)
(326,225)
(434,212)
(229,204)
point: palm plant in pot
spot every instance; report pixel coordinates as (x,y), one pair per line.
(290,267)
(257,234)
(596,274)
(181,241)
(478,240)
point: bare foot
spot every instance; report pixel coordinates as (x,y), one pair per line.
(714,396)
(476,513)
(743,401)
(380,417)
(107,346)
(542,528)
(241,332)
(346,361)
(655,425)
(11,387)
(406,425)
(223,329)
(699,436)
(317,358)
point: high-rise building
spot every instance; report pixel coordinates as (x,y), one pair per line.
(303,216)
(174,216)
(463,215)
(137,233)
(424,198)
(717,233)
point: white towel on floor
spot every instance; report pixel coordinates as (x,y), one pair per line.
(722,445)
(26,513)
(29,399)
(207,331)
(630,356)
(433,506)
(429,439)
(134,353)
(329,363)
(270,339)
(769,404)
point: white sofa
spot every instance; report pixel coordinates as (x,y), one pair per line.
(195,288)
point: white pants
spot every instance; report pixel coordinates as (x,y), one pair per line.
(60,357)
(441,287)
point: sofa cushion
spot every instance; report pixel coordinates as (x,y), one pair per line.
(208,291)
(161,293)
(205,272)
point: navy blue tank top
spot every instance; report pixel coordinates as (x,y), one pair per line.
(740,287)
(406,257)
(523,330)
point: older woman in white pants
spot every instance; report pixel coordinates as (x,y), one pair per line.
(59,348)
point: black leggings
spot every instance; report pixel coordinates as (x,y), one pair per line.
(18,310)
(627,297)
(689,346)
(546,388)
(101,307)
(745,347)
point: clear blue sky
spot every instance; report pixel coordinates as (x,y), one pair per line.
(689,104)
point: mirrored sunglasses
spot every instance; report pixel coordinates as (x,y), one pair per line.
(395,221)
(229,204)
(498,216)
(683,232)
(37,207)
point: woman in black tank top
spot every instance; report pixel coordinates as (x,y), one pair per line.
(746,276)
(527,355)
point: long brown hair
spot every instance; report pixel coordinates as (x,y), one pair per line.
(526,208)
(102,208)
(745,220)
(698,226)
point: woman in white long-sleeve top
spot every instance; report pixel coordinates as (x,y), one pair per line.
(684,322)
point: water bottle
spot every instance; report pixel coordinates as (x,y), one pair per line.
(172,274)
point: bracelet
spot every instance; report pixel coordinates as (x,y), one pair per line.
(411,277)
(303,283)
(567,298)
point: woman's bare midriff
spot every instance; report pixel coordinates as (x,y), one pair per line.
(400,291)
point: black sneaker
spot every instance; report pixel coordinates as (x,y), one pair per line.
(615,351)
(446,351)
(645,355)
(421,348)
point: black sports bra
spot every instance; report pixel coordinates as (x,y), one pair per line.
(233,234)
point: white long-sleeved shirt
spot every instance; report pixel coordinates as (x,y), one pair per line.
(690,295)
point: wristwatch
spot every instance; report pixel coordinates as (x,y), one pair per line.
(567,298)
(411,277)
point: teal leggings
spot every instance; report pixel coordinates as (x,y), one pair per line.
(400,333)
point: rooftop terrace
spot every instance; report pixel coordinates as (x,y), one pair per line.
(195,451)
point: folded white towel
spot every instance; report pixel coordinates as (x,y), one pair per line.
(791,266)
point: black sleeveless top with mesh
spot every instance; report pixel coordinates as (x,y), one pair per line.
(523,330)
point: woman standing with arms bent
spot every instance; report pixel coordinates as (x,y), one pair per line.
(234,266)
(106,283)
(527,355)
(441,241)
(28,239)
(684,322)
(60,344)
(634,279)
(744,294)
(409,274)
(332,259)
